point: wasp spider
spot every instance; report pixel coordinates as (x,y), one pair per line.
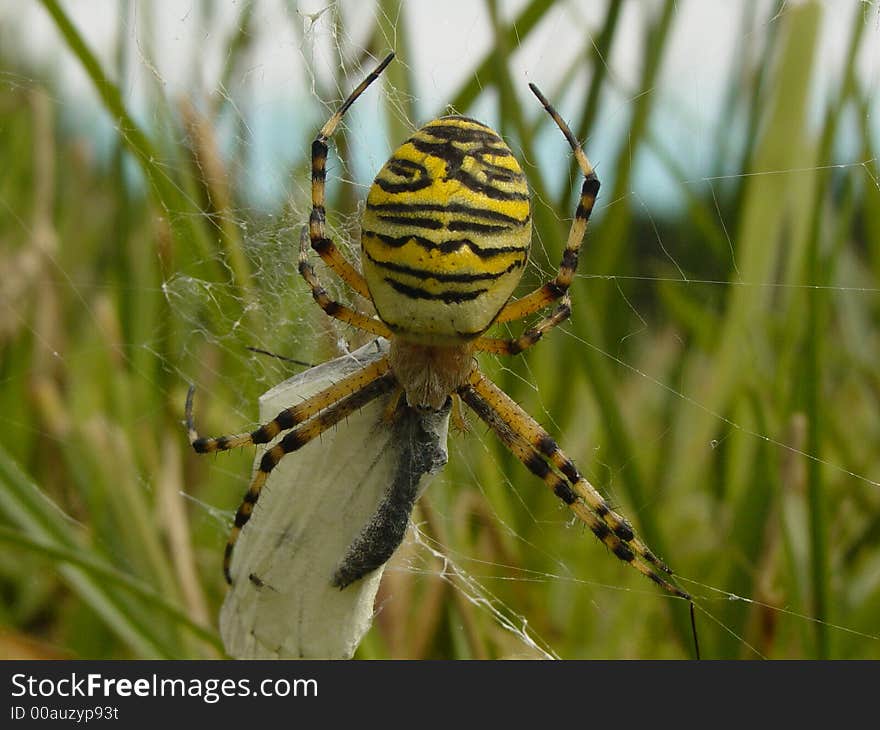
(445,238)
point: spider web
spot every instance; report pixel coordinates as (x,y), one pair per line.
(522,578)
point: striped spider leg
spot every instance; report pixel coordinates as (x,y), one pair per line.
(323,245)
(557,287)
(540,454)
(303,423)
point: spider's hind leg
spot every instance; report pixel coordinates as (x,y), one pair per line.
(330,306)
(558,286)
(533,335)
(323,245)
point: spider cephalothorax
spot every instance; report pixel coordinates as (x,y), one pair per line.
(446,234)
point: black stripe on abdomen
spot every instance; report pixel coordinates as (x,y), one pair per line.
(409,186)
(452,208)
(425,274)
(450,296)
(464,135)
(444,246)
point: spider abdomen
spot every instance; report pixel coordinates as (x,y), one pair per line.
(446,232)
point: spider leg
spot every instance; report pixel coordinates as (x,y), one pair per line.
(323,245)
(330,306)
(379,384)
(289,417)
(557,287)
(530,431)
(534,447)
(502,346)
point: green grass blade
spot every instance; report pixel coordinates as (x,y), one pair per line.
(108,577)
(43,522)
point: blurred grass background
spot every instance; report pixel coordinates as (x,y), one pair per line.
(739,428)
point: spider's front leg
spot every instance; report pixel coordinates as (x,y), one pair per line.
(315,415)
(287,419)
(537,450)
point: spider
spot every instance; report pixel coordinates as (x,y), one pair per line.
(445,238)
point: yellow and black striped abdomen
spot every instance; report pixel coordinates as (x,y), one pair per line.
(446,232)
